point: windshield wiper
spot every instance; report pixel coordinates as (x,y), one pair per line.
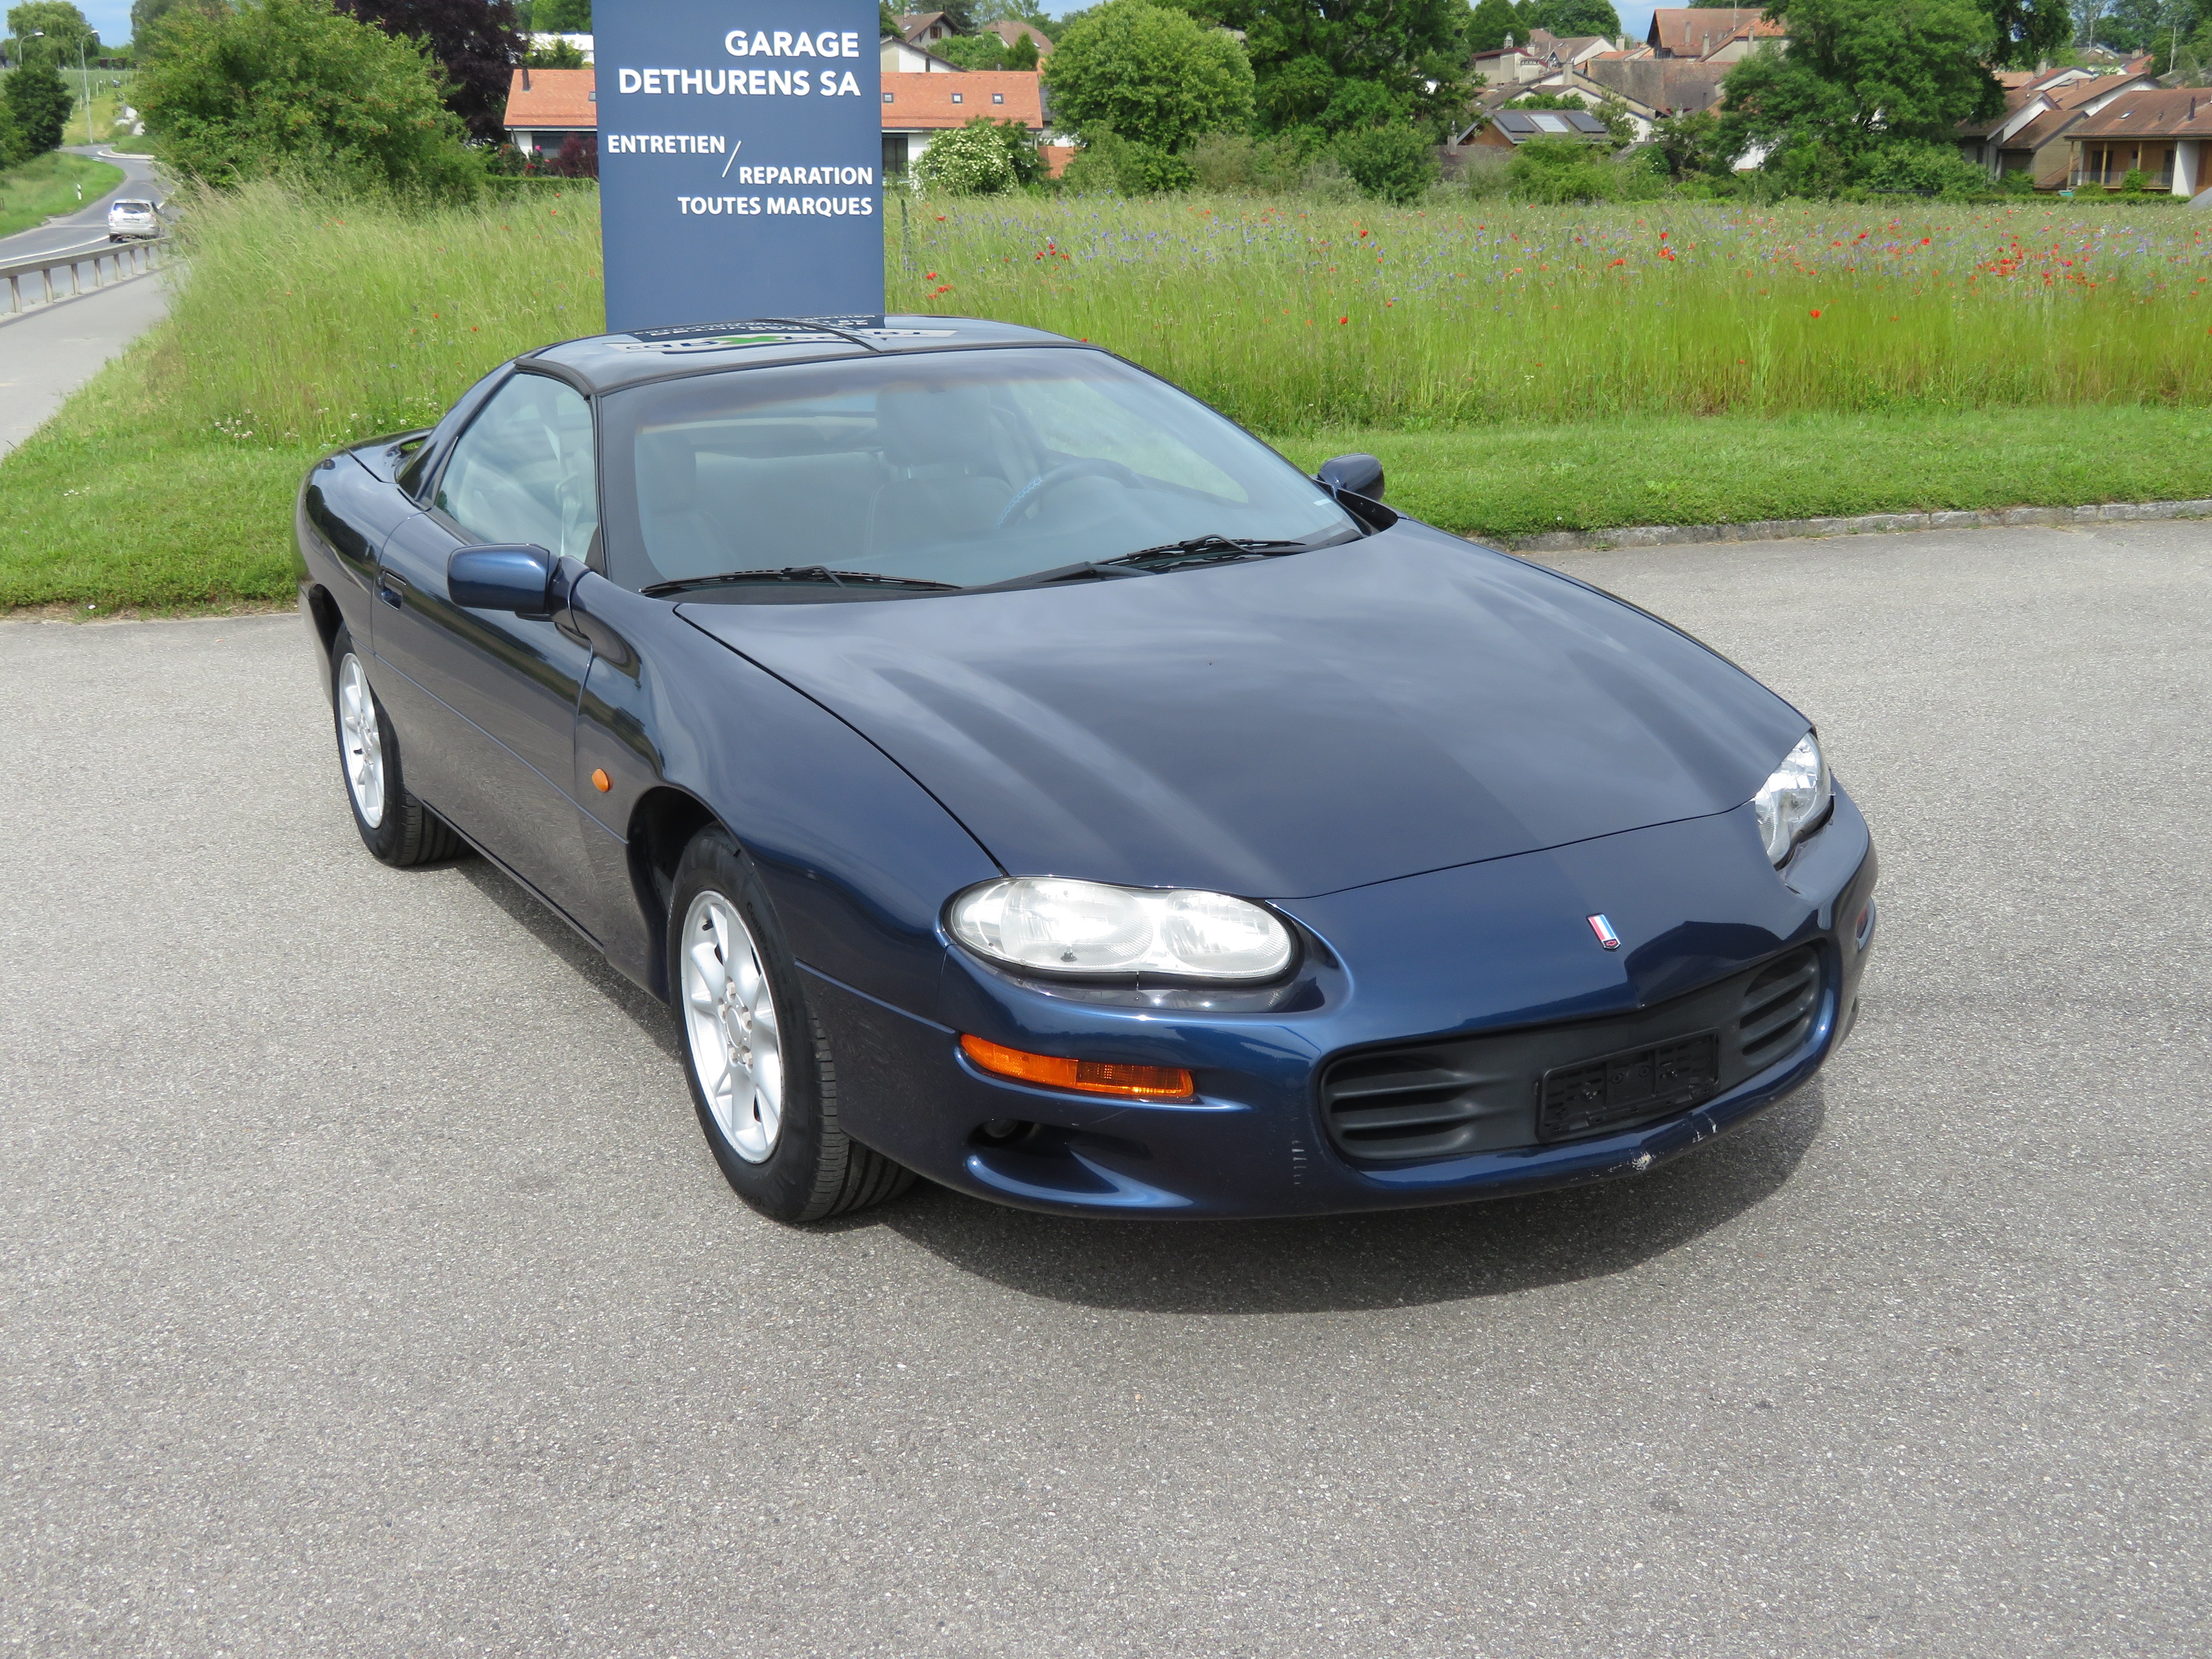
(1205,550)
(797,573)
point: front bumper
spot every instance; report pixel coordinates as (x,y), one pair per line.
(1460,953)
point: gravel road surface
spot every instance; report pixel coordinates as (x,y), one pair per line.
(368,1289)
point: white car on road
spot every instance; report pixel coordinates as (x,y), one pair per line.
(130,220)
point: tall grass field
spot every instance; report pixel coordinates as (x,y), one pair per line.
(1519,368)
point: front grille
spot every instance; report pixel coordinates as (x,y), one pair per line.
(1559,1082)
(1778,1006)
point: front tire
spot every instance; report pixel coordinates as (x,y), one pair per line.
(396,826)
(761,1079)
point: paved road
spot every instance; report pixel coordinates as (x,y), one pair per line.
(88,227)
(368,1289)
(49,351)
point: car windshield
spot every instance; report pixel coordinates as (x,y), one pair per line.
(132,207)
(956,469)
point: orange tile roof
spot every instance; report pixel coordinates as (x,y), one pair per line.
(555,98)
(561,98)
(923,102)
(1692,29)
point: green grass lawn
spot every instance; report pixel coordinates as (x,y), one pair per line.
(167,484)
(34,193)
(1517,480)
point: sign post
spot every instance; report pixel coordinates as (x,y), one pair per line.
(740,158)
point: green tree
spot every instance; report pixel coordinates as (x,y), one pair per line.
(40,101)
(561,16)
(1324,68)
(1022,54)
(15,148)
(2029,32)
(1690,144)
(59,29)
(1571,17)
(558,54)
(292,84)
(1152,76)
(1393,163)
(973,51)
(1857,73)
(149,20)
(1490,23)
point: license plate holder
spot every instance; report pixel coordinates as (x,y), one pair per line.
(1592,1095)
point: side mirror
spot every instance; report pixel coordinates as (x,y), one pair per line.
(1356,475)
(517,579)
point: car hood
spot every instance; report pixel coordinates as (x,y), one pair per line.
(1402,703)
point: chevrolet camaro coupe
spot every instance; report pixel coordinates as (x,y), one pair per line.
(1010,771)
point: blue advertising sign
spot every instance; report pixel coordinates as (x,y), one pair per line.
(740,150)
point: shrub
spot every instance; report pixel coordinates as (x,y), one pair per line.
(1911,167)
(2134,181)
(969,160)
(1108,161)
(1233,162)
(1558,170)
(294,86)
(1392,163)
(1326,181)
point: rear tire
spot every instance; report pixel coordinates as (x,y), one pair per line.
(395,826)
(763,1080)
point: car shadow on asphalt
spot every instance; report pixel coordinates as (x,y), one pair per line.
(1338,1264)
(650,1016)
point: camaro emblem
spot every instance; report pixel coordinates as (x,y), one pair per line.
(1605,936)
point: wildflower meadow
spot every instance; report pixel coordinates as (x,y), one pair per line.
(1292,316)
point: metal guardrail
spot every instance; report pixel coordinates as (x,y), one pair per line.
(114,262)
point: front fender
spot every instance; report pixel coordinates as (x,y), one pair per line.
(857,856)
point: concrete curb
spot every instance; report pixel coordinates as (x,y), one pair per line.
(1771,530)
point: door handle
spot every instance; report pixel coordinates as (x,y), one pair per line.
(391,588)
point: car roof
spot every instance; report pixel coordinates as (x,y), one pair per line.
(606,362)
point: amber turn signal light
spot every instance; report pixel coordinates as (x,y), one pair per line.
(600,781)
(1087,1077)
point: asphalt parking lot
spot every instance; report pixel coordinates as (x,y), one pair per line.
(368,1288)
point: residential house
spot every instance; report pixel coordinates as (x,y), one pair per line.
(1711,34)
(2165,133)
(546,107)
(1509,128)
(917,107)
(1013,29)
(2034,133)
(1542,53)
(924,28)
(897,57)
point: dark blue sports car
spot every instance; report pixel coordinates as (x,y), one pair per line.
(1011,771)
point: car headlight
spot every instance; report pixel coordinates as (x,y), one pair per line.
(1089,927)
(1794,799)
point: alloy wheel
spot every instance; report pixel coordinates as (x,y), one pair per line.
(362,741)
(729,1015)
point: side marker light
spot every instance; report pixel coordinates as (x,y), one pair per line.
(1087,1077)
(600,781)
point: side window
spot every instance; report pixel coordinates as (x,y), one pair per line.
(524,472)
